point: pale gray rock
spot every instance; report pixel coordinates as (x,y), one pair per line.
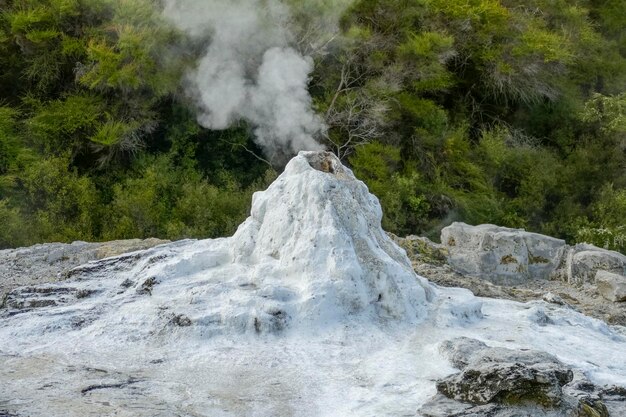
(513,256)
(557,291)
(581,262)
(553,299)
(500,254)
(499,382)
(611,286)
(51,262)
(503,376)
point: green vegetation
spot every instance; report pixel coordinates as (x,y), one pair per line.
(472,110)
(494,112)
(94,142)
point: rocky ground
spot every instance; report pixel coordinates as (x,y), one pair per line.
(585,299)
(191,327)
(496,382)
(50,262)
(429,260)
(492,382)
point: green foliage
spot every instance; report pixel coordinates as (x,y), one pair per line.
(472,110)
(377,165)
(507,114)
(60,125)
(92,142)
(522,175)
(130,54)
(129,64)
(43,30)
(608,114)
(607,228)
(60,203)
(174,203)
(9,144)
(424,54)
(112,132)
(14,231)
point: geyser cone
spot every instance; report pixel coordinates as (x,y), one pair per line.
(317,230)
(312,251)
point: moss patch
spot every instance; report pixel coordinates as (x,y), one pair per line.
(508,259)
(532,259)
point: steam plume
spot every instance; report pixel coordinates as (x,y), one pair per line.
(250,71)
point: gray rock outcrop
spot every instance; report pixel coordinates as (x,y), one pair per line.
(499,382)
(581,263)
(430,260)
(499,254)
(611,286)
(512,256)
(50,262)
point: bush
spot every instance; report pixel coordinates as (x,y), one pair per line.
(404,208)
(15,230)
(607,228)
(171,202)
(61,204)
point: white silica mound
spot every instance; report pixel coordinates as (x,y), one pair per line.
(308,310)
(316,234)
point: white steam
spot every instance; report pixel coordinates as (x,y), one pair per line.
(250,71)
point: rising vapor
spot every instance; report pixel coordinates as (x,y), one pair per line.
(250,71)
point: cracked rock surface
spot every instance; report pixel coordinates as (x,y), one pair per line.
(51,262)
(500,382)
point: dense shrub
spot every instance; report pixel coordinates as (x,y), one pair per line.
(472,110)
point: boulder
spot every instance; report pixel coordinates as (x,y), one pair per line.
(512,256)
(499,382)
(582,261)
(503,376)
(500,254)
(611,286)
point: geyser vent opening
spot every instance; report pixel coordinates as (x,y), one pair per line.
(324,161)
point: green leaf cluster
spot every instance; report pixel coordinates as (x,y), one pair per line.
(95,142)
(507,113)
(473,110)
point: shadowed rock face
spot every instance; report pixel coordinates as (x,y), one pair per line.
(499,382)
(505,376)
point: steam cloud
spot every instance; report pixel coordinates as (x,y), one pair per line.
(250,71)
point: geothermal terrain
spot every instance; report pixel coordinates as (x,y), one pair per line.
(310,309)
